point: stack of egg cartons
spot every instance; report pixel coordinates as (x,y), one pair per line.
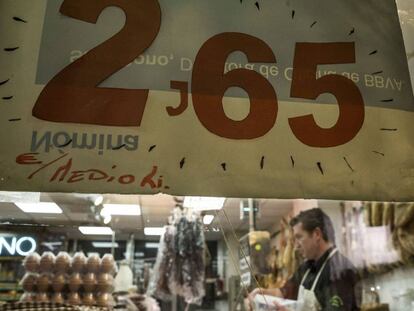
(79,280)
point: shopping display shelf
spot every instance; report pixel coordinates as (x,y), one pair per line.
(9,285)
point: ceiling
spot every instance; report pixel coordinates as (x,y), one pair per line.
(79,209)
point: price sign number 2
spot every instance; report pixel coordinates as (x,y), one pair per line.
(73,96)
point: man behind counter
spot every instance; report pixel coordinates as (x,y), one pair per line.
(327,280)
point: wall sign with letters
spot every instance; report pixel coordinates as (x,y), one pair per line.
(266,99)
(11,245)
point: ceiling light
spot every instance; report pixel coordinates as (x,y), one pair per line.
(40,208)
(98,200)
(105,244)
(208,219)
(154,230)
(121,209)
(204,203)
(152,245)
(107,219)
(96,230)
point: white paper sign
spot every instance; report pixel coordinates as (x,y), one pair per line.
(274,99)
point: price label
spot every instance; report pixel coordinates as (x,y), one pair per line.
(281,99)
(74,95)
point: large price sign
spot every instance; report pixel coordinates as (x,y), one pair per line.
(226,98)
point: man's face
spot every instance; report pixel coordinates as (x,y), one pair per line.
(306,243)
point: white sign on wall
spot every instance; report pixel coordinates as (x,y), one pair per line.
(275,99)
(16,245)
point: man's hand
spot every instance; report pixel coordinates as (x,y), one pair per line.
(252,294)
(264,291)
(279,307)
(255,292)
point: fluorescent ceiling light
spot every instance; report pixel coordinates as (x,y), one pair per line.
(107,219)
(98,200)
(121,209)
(208,219)
(96,230)
(204,203)
(40,208)
(105,244)
(154,230)
(152,245)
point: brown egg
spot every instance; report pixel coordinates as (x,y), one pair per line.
(74,299)
(75,282)
(43,282)
(89,299)
(28,297)
(47,261)
(62,262)
(58,282)
(31,262)
(78,262)
(104,299)
(57,298)
(89,282)
(93,262)
(105,283)
(42,297)
(29,281)
(108,264)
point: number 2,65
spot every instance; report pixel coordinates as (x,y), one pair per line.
(73,95)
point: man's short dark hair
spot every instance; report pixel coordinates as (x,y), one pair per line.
(315,218)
